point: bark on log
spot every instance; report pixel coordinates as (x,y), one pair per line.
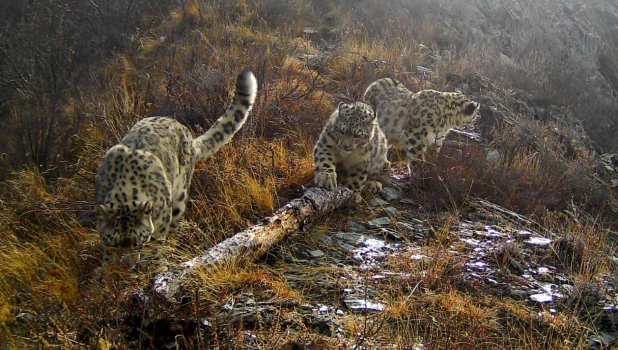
(509,215)
(253,242)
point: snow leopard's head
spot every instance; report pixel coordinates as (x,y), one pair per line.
(355,125)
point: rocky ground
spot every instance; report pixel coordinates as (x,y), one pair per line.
(428,263)
(356,268)
(361,262)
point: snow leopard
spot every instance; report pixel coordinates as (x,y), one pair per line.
(142,184)
(416,120)
(351,149)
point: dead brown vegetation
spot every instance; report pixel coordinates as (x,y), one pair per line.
(66,95)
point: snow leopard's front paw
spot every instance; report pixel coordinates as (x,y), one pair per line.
(372,186)
(326,180)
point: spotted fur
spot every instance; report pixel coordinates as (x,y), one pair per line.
(350,150)
(416,120)
(143,182)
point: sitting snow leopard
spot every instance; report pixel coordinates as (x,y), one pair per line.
(142,184)
(417,120)
(350,149)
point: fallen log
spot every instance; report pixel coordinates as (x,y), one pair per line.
(255,241)
(509,215)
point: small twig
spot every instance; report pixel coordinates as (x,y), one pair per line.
(412,292)
(197,318)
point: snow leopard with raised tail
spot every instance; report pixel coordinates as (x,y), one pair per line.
(416,120)
(143,182)
(351,149)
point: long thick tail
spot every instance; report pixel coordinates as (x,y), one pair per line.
(222,131)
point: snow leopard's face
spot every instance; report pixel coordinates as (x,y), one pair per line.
(355,125)
(125,226)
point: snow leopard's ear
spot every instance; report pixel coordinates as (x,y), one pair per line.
(144,209)
(144,215)
(341,104)
(470,107)
(101,211)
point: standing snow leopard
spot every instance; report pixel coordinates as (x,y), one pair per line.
(350,149)
(142,184)
(417,120)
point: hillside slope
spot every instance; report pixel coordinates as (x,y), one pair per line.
(75,76)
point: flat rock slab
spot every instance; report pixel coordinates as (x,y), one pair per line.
(356,227)
(390,194)
(316,253)
(358,304)
(379,222)
(351,237)
(377,202)
(538,241)
(391,211)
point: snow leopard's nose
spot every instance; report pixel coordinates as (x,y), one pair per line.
(125,242)
(128,242)
(346,146)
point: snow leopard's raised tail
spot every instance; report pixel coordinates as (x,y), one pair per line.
(231,121)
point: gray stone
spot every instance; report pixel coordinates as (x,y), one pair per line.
(377,202)
(408,226)
(538,241)
(541,298)
(517,267)
(524,234)
(478,266)
(316,253)
(493,155)
(356,227)
(517,294)
(391,211)
(322,323)
(391,233)
(491,281)
(346,246)
(465,233)
(379,222)
(603,339)
(326,239)
(390,193)
(309,30)
(363,305)
(350,237)
(25,317)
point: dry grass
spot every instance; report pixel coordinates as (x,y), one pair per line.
(538,169)
(51,297)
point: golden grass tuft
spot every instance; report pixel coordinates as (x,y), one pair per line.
(221,281)
(244,183)
(43,251)
(7,308)
(470,320)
